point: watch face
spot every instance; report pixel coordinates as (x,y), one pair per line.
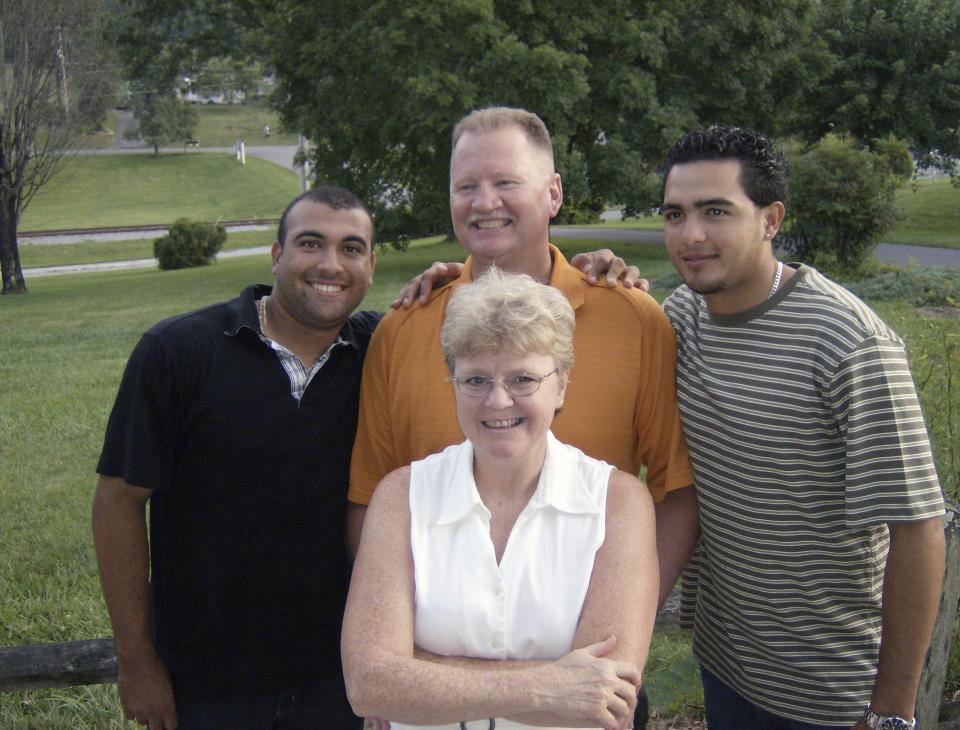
(894,723)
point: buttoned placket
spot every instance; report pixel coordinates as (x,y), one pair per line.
(495,575)
(299,376)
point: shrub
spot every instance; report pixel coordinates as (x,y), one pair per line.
(189,244)
(841,201)
(922,287)
(896,154)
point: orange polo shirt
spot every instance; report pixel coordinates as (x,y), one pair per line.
(620,404)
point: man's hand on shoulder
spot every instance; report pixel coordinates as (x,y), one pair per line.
(420,286)
(604,263)
(146,693)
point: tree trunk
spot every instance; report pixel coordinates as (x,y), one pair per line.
(13,282)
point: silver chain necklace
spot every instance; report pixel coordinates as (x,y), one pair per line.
(776,279)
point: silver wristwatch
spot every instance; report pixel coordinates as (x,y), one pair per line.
(887,722)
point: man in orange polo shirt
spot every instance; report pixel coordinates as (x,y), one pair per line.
(621,401)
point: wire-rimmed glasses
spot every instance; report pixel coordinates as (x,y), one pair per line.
(518,385)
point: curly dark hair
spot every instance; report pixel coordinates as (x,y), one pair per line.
(763,170)
(332,196)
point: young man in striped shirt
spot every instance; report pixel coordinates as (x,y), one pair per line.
(821,554)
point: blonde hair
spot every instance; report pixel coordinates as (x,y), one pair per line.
(513,313)
(493,118)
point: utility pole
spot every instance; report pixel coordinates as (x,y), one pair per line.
(62,73)
(304,157)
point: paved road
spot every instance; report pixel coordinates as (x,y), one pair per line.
(36,271)
(890,252)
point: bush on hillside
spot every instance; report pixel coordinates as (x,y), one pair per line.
(841,201)
(189,244)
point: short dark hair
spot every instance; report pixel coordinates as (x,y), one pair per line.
(763,170)
(332,196)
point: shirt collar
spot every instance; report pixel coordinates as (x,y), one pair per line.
(563,276)
(242,314)
(242,311)
(560,487)
(463,498)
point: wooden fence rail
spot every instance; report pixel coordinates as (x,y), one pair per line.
(62,664)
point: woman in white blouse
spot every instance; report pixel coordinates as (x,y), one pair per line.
(510,580)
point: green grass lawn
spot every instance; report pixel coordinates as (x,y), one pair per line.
(220,125)
(931,214)
(63,347)
(117,190)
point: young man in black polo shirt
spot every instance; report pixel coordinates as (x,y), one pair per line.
(236,423)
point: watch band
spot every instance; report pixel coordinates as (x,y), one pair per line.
(887,722)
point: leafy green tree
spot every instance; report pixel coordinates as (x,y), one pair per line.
(377,86)
(896,71)
(162,118)
(161,40)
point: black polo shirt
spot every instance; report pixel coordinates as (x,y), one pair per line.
(248,557)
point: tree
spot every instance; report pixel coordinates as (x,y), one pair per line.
(162,117)
(896,71)
(51,71)
(378,85)
(161,40)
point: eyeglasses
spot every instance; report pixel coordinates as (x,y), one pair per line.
(518,386)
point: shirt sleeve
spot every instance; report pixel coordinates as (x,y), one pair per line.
(374,454)
(660,440)
(140,435)
(890,473)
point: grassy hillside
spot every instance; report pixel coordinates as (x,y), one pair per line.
(116,190)
(930,211)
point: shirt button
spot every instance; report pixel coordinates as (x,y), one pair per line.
(496,644)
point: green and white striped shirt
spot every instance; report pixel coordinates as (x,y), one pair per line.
(806,438)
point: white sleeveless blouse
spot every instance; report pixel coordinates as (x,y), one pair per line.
(528,606)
